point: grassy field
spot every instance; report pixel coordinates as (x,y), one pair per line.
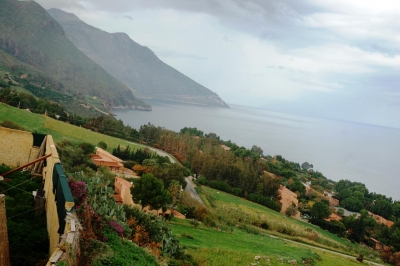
(59,130)
(213,247)
(235,241)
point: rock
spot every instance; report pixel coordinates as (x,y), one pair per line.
(293,262)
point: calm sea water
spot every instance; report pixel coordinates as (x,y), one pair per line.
(339,149)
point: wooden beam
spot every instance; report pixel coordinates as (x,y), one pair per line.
(22,167)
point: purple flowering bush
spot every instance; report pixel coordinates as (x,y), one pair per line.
(117,227)
(79,192)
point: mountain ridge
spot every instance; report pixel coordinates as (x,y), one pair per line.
(135,65)
(33,38)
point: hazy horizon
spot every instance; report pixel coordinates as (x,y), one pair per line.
(335,59)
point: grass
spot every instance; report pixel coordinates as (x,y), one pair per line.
(238,237)
(59,130)
(234,210)
(213,247)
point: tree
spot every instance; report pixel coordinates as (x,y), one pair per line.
(352,204)
(257,150)
(102,145)
(383,208)
(297,186)
(150,191)
(174,189)
(320,211)
(306,165)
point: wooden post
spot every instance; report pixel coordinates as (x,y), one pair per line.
(4,249)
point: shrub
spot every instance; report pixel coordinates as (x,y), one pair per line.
(237,192)
(267,202)
(202,180)
(220,185)
(200,212)
(102,145)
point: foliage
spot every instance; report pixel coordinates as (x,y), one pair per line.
(101,200)
(352,204)
(147,229)
(267,202)
(192,131)
(78,190)
(291,210)
(138,155)
(122,252)
(102,145)
(149,191)
(320,211)
(220,185)
(76,158)
(27,230)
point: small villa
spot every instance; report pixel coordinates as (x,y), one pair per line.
(104,158)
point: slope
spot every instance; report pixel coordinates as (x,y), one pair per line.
(134,65)
(34,38)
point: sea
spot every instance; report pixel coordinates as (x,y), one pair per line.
(338,149)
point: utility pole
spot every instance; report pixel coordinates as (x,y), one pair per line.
(4,249)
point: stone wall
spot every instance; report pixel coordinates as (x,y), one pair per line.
(16,147)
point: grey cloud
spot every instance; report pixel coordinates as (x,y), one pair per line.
(67,4)
(128,17)
(175,54)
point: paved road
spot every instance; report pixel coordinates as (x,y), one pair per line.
(190,189)
(159,152)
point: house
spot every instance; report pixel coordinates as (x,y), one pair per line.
(377,245)
(104,158)
(287,199)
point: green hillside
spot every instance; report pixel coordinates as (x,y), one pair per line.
(59,130)
(36,45)
(235,238)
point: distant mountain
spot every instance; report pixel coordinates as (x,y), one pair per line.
(134,65)
(34,46)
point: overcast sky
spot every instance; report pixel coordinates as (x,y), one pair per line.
(330,58)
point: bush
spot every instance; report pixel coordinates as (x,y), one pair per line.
(202,181)
(221,185)
(237,192)
(102,145)
(267,202)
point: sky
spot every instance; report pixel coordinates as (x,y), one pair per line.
(328,58)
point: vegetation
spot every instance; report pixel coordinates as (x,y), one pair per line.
(149,191)
(234,232)
(106,223)
(239,172)
(27,230)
